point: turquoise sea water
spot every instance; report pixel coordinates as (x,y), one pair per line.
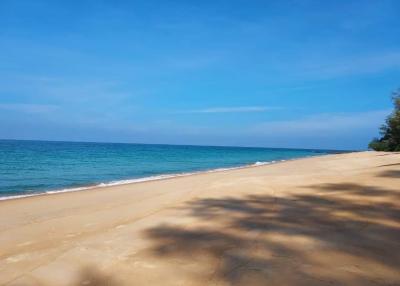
(31,167)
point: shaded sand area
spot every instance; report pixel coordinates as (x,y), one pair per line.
(331,220)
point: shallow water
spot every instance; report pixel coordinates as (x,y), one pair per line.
(31,167)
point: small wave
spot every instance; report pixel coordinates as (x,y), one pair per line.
(138,180)
(263,163)
(18,196)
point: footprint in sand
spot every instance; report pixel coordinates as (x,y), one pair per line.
(25,243)
(16,258)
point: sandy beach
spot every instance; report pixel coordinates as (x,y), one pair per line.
(329,220)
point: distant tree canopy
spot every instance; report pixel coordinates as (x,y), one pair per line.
(390,131)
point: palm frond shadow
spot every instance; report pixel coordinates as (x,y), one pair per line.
(320,237)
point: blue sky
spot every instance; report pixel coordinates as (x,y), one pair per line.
(311,74)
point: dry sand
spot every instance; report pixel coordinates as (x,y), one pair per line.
(331,220)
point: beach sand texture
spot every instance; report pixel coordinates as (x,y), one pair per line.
(330,220)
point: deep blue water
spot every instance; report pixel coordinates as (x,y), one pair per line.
(28,167)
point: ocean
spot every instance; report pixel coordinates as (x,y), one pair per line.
(34,167)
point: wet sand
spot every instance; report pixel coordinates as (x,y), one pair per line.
(330,220)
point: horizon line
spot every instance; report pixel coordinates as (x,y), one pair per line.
(175,144)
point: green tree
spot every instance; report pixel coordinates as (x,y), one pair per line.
(390,131)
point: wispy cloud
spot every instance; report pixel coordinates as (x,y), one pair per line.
(28,108)
(232,109)
(351,65)
(323,124)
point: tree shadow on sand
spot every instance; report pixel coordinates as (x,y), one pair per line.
(391,174)
(92,276)
(330,234)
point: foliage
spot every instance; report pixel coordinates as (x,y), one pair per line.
(390,131)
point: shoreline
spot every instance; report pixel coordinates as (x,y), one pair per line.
(331,218)
(155,178)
